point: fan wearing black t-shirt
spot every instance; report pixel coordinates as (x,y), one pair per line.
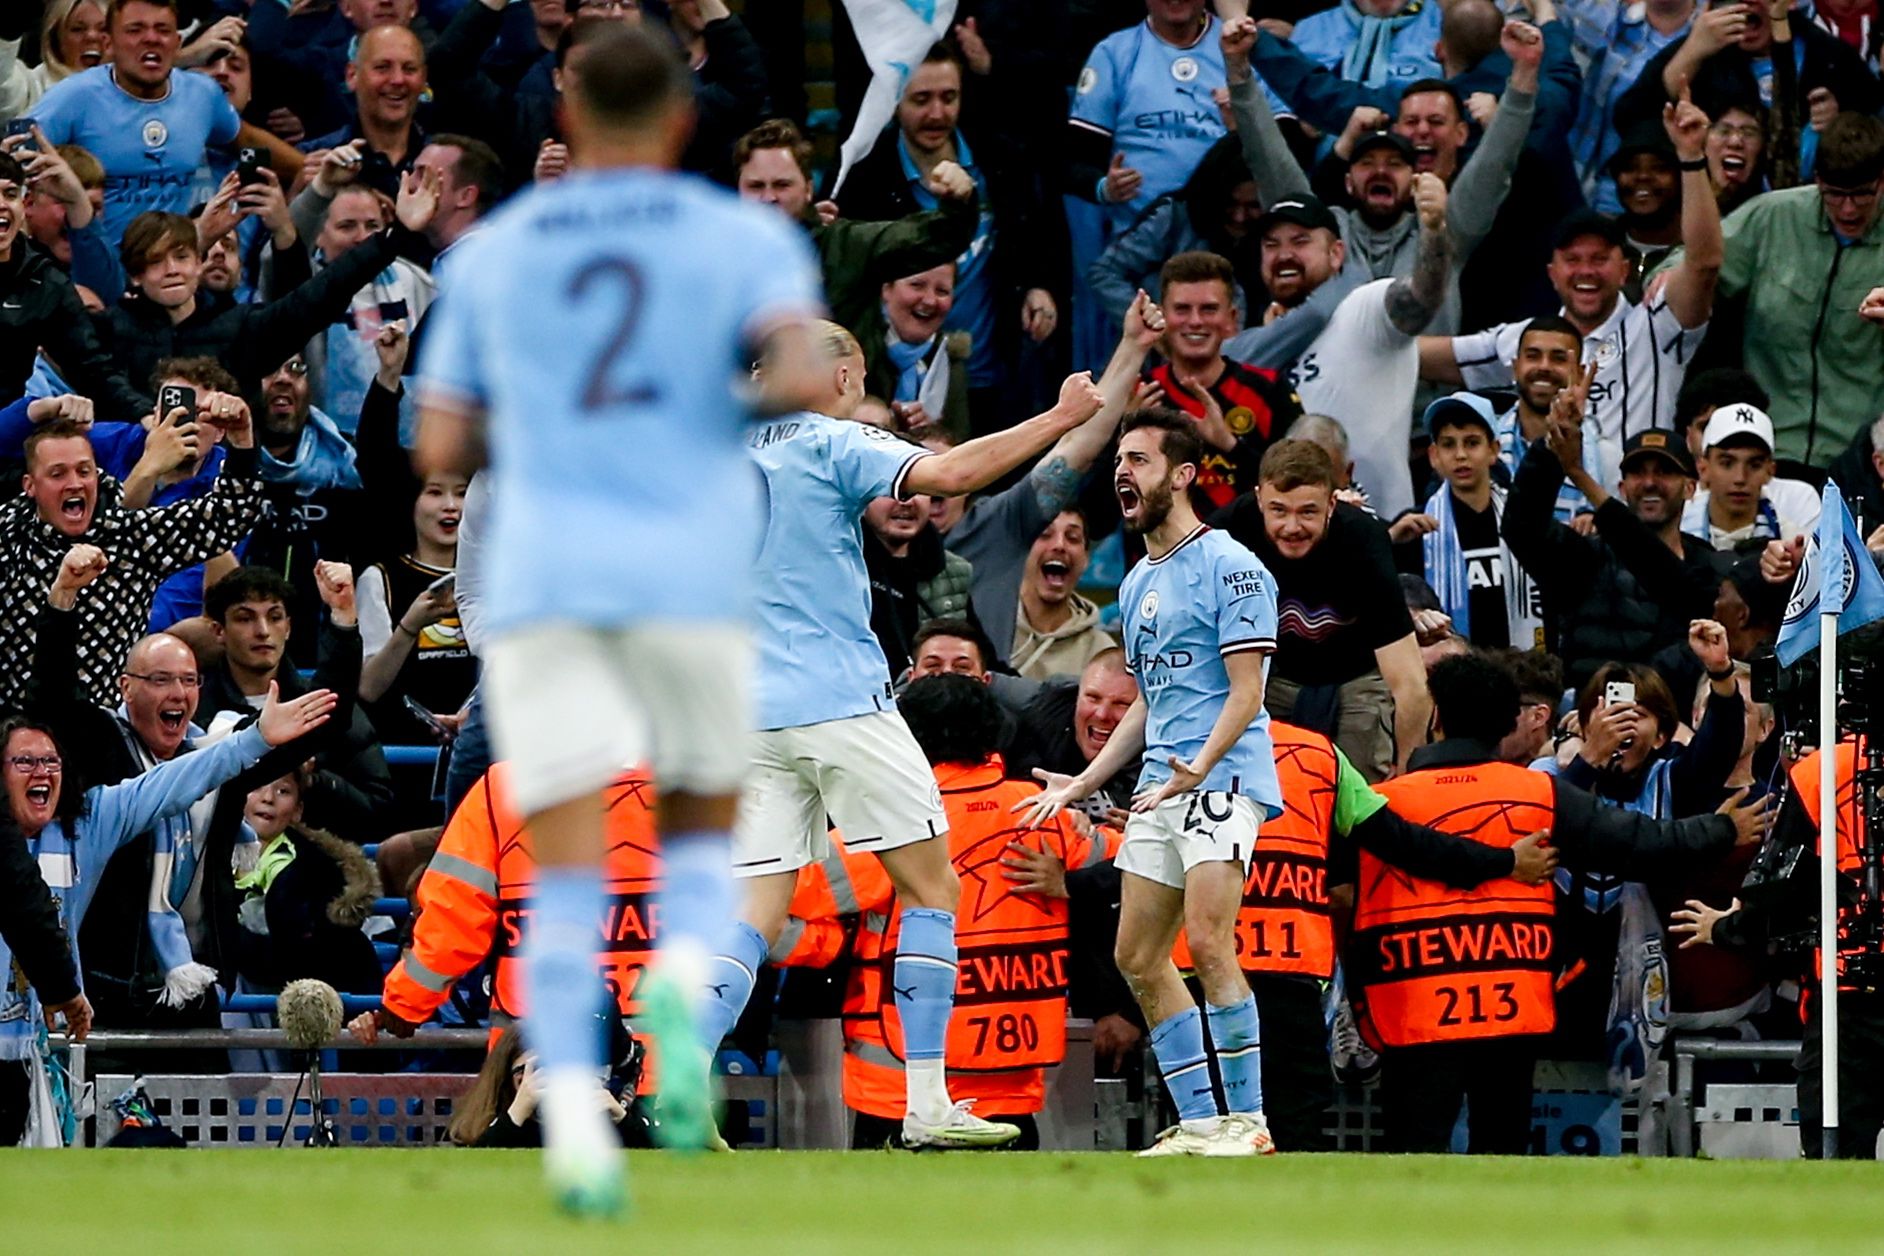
(1458,548)
(1346,663)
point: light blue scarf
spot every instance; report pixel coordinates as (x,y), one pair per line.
(908,360)
(1369,59)
(1449,573)
(323,459)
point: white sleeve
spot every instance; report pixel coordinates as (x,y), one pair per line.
(1485,357)
(1373,321)
(470,586)
(376,623)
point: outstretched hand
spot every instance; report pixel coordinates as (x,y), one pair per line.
(282,722)
(1061,792)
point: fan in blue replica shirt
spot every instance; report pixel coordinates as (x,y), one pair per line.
(1200,625)
(148,126)
(832,743)
(1143,116)
(598,341)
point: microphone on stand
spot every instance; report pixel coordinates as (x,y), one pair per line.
(310,1013)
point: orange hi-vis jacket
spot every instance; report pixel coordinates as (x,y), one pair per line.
(471,901)
(1285,926)
(1009,1023)
(1847,818)
(1430,963)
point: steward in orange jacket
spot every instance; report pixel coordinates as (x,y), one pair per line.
(1454,985)
(1790,906)
(1009,1024)
(471,903)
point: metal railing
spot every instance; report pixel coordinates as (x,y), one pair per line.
(1682,1137)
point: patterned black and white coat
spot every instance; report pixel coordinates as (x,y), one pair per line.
(146,547)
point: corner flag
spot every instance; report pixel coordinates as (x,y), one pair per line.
(1836,577)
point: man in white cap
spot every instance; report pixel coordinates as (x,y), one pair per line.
(1740,505)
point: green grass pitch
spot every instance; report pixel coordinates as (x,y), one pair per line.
(458,1203)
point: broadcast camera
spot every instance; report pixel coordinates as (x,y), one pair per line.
(1784,878)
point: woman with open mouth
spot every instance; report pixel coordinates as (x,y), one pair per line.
(72,832)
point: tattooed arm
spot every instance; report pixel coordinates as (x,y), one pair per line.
(1415,298)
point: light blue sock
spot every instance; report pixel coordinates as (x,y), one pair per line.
(562,984)
(1179,1045)
(1237,1036)
(696,901)
(730,985)
(924,980)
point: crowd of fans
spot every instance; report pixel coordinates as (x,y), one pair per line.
(1527,327)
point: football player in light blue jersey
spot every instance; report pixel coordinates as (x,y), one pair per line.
(597,342)
(1199,625)
(831,740)
(147,125)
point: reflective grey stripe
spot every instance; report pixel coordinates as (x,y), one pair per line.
(843,893)
(462,869)
(876,922)
(502,1020)
(874,1053)
(1095,852)
(436,982)
(794,930)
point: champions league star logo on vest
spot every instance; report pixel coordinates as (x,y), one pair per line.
(155,133)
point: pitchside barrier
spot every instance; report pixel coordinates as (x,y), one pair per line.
(1710,1104)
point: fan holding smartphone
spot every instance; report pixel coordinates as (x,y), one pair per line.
(1629,718)
(418,671)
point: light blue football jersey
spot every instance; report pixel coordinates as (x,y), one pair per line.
(1154,100)
(150,149)
(1184,612)
(605,325)
(818,659)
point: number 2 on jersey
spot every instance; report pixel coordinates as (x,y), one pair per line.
(600,391)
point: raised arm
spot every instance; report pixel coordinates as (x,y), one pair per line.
(1265,152)
(1481,188)
(985,459)
(1414,298)
(1691,284)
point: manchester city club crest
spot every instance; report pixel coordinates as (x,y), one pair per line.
(1148,607)
(1607,352)
(1088,79)
(1184,69)
(155,133)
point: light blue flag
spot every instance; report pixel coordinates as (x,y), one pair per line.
(1836,576)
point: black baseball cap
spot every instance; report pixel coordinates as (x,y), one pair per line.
(1658,442)
(1302,211)
(1644,137)
(1587,222)
(1383,139)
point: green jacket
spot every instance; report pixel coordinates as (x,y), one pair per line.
(1804,342)
(860,257)
(881,372)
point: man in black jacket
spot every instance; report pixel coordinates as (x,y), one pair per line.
(1632,588)
(351,791)
(39,308)
(168,314)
